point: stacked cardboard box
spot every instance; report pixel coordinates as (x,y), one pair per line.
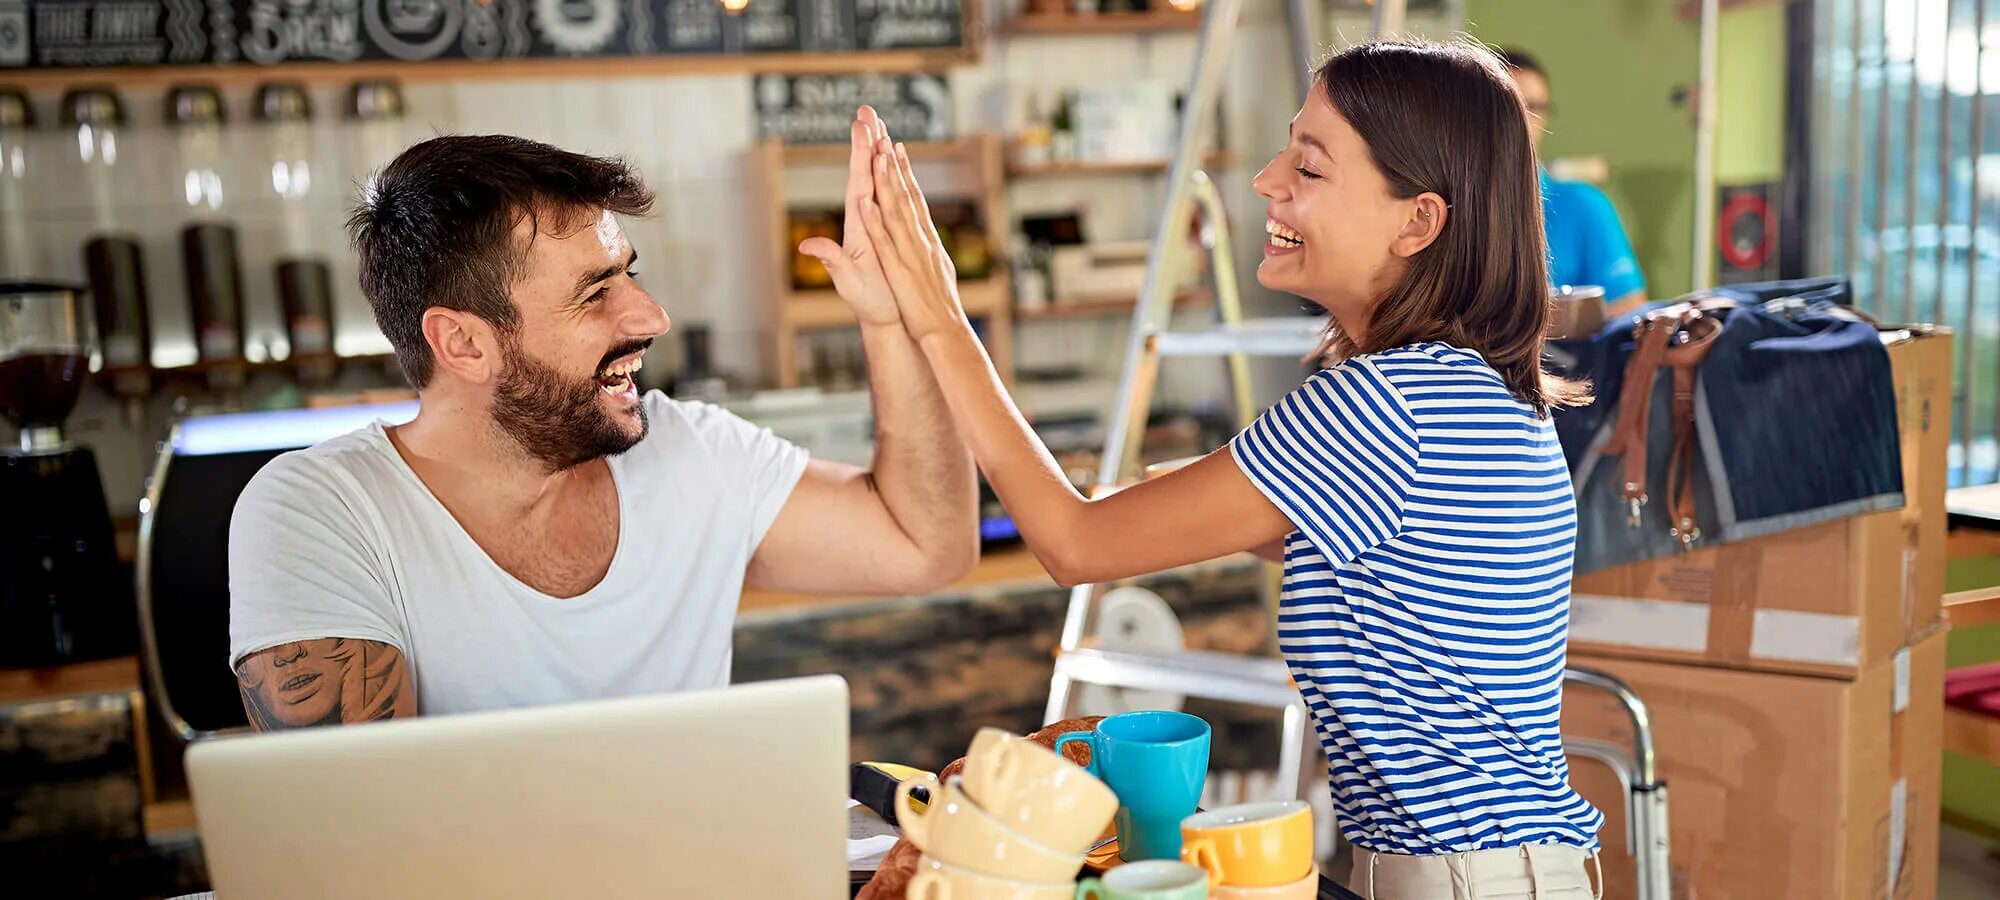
(1794,683)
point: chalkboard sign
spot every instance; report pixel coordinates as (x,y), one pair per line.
(54,34)
(818,109)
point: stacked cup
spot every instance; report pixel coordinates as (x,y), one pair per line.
(1014,826)
(1254,851)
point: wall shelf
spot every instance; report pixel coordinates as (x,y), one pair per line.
(1103,23)
(825,309)
(1083,307)
(791,313)
(209,367)
(836,153)
(857,62)
(1219,160)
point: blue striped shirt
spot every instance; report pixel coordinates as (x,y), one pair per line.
(1426,598)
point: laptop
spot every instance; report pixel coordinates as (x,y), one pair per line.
(739,792)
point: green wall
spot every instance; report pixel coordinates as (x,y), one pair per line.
(1972,786)
(1614,67)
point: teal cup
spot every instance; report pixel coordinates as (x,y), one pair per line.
(1156,762)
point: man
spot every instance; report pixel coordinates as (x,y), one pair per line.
(1587,245)
(542,532)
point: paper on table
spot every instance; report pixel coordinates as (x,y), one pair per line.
(868,838)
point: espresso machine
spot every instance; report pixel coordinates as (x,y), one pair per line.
(63,595)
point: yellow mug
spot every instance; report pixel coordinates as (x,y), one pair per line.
(1251,844)
(938,880)
(954,829)
(1037,793)
(1306,888)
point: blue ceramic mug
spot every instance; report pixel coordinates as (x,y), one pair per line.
(1156,762)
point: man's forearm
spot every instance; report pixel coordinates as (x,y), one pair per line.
(922,469)
(1045,507)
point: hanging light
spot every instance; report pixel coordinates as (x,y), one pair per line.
(1185,5)
(734,7)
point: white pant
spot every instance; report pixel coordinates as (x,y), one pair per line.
(1545,872)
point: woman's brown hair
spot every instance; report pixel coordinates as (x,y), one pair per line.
(1445,118)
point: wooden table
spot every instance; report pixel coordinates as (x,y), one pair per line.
(95,677)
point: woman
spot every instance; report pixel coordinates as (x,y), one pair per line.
(1416,485)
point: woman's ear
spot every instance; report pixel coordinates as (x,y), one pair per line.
(1428,213)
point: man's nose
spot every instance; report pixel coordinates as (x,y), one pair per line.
(647,316)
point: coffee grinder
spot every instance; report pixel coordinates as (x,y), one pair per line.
(63,595)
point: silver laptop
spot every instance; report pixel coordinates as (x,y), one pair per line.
(727,793)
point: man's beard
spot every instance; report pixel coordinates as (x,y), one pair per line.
(556,419)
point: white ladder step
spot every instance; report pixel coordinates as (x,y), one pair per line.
(1291,336)
(1232,677)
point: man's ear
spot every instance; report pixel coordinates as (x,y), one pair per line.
(463,344)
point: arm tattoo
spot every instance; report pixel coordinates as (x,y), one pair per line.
(327,681)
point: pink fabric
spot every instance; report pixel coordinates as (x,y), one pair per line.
(1974,688)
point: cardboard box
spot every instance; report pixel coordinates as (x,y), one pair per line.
(1779,785)
(1827,599)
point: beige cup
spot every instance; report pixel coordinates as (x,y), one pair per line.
(936,880)
(954,830)
(1036,792)
(1306,888)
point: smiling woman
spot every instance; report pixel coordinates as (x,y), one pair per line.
(1417,486)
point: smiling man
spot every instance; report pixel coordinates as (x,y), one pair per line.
(542,531)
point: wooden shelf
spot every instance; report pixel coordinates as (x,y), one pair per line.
(119,673)
(789,314)
(1104,23)
(282,365)
(859,62)
(825,309)
(1219,160)
(1083,307)
(836,154)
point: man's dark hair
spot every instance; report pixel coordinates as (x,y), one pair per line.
(1520,61)
(435,228)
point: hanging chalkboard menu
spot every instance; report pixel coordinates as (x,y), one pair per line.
(56,34)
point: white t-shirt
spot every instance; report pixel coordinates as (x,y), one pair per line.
(342,540)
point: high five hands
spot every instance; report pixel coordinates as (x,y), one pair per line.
(891,264)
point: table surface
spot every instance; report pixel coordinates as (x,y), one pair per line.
(1980,502)
(1328,890)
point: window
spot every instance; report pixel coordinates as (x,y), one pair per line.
(1905,164)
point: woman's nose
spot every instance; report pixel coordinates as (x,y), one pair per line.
(1266,182)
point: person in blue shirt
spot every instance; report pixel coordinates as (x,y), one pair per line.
(1587,245)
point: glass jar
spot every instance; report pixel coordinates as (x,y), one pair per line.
(376,132)
(113,262)
(302,271)
(211,261)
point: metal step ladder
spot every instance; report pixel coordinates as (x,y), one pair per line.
(1253,681)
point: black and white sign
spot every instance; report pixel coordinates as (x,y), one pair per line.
(93,33)
(900,24)
(818,109)
(110,33)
